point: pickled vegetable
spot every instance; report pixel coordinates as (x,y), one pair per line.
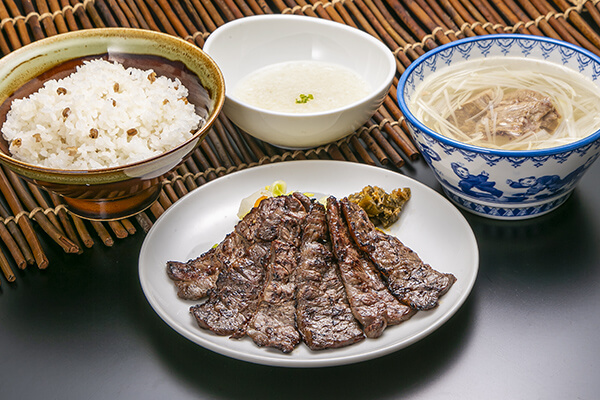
(382,208)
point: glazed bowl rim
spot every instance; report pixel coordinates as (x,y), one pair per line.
(376,43)
(118,34)
(483,150)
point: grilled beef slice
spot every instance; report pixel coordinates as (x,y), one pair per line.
(244,256)
(236,295)
(372,303)
(194,278)
(323,315)
(274,324)
(273,218)
(413,282)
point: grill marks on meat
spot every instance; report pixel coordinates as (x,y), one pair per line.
(274,324)
(323,315)
(193,279)
(233,301)
(273,218)
(412,281)
(246,257)
(372,303)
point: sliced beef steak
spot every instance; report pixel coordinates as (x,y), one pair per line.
(244,255)
(233,302)
(323,315)
(412,281)
(372,303)
(274,218)
(193,279)
(274,324)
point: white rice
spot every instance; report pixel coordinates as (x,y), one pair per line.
(87,127)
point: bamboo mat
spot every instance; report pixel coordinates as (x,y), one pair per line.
(409,28)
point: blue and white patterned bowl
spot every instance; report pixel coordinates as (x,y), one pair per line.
(500,184)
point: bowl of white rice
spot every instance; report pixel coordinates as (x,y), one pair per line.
(299,82)
(100,116)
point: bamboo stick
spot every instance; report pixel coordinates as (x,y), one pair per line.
(94,15)
(206,23)
(24,223)
(332,13)
(145,14)
(65,221)
(6,269)
(178,18)
(219,148)
(13,38)
(384,144)
(396,134)
(589,38)
(360,149)
(21,27)
(39,198)
(542,23)
(126,13)
(335,152)
(68,15)
(34,23)
(84,233)
(219,129)
(191,184)
(105,12)
(235,136)
(593,12)
(434,10)
(13,247)
(144,221)
(380,20)
(80,12)
(518,17)
(163,20)
(207,149)
(47,21)
(214,14)
(118,229)
(17,235)
(196,20)
(199,179)
(41,218)
(475,16)
(170,192)
(78,224)
(128,226)
(348,153)
(253,145)
(102,233)
(178,186)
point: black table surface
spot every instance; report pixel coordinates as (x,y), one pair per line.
(530,329)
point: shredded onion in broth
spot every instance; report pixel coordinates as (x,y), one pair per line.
(574,97)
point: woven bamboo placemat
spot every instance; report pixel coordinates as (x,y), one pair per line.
(408,27)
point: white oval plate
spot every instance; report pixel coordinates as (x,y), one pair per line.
(429,224)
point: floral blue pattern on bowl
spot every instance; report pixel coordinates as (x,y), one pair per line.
(502,184)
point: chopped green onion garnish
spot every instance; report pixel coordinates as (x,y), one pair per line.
(304,98)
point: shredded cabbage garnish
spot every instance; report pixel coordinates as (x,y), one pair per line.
(277,188)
